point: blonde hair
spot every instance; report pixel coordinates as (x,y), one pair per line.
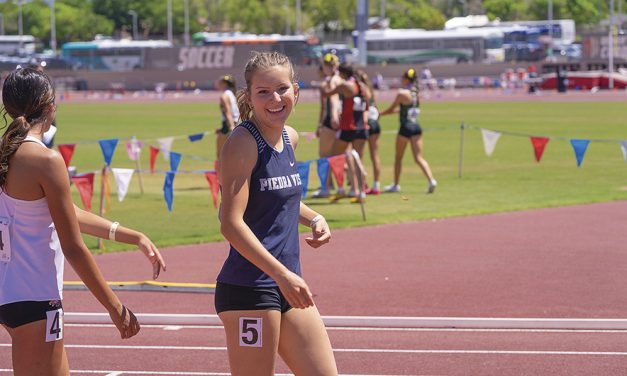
(259,61)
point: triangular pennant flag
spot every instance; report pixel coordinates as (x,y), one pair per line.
(538,146)
(489,140)
(108,147)
(337,166)
(303,171)
(195,137)
(175,160)
(153,156)
(165,144)
(133,148)
(67,151)
(168,189)
(122,180)
(323,172)
(623,147)
(580,147)
(214,186)
(85,185)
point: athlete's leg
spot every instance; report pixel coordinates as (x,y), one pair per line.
(326,139)
(359,145)
(401,144)
(32,355)
(304,344)
(416,147)
(339,147)
(373,143)
(252,339)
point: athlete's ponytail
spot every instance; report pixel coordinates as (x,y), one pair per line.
(259,61)
(26,97)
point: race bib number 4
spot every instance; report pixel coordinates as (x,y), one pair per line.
(54,325)
(5,240)
(250,331)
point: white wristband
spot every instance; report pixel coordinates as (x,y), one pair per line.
(112,229)
(315,220)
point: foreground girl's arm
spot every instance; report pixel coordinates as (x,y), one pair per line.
(56,188)
(239,157)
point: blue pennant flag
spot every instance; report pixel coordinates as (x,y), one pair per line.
(579,146)
(323,171)
(175,160)
(108,147)
(196,137)
(168,191)
(303,171)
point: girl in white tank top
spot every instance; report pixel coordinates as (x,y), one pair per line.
(39,226)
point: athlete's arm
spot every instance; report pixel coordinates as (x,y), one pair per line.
(228,112)
(239,156)
(393,106)
(323,108)
(53,180)
(320,230)
(93,225)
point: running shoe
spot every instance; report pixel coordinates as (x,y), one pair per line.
(359,199)
(432,184)
(392,188)
(320,194)
(336,197)
(373,191)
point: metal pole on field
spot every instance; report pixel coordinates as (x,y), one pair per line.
(550,17)
(610,51)
(361,21)
(53,28)
(169,16)
(286,7)
(461,150)
(133,14)
(135,150)
(103,178)
(186,15)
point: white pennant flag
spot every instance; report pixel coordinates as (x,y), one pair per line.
(165,144)
(623,147)
(122,180)
(489,140)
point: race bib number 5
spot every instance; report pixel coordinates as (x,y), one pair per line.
(250,331)
(54,325)
(5,240)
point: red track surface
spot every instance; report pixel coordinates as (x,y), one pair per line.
(555,263)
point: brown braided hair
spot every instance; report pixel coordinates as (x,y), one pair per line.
(259,61)
(26,97)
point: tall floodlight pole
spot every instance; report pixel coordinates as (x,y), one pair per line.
(133,14)
(382,9)
(53,28)
(298,18)
(610,50)
(550,17)
(186,15)
(286,6)
(19,24)
(1,24)
(169,16)
(361,23)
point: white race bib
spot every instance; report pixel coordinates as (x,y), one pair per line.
(412,114)
(54,325)
(5,239)
(250,331)
(358,104)
(373,113)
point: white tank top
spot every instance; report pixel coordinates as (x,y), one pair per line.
(34,268)
(234,108)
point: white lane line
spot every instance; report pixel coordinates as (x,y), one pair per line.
(368,329)
(116,373)
(384,351)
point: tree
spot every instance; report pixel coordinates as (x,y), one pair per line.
(505,10)
(412,14)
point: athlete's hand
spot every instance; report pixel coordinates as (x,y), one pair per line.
(321,234)
(295,290)
(125,321)
(151,251)
(335,123)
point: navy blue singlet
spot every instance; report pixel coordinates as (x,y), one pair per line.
(272,213)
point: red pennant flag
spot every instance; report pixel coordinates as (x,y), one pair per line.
(85,185)
(538,146)
(212,178)
(337,166)
(67,151)
(153,156)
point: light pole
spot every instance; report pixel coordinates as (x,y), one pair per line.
(298,18)
(186,15)
(550,17)
(1,24)
(53,28)
(286,6)
(169,21)
(134,15)
(610,50)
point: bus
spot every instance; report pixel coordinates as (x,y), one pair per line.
(111,54)
(411,46)
(301,49)
(10,45)
(561,32)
